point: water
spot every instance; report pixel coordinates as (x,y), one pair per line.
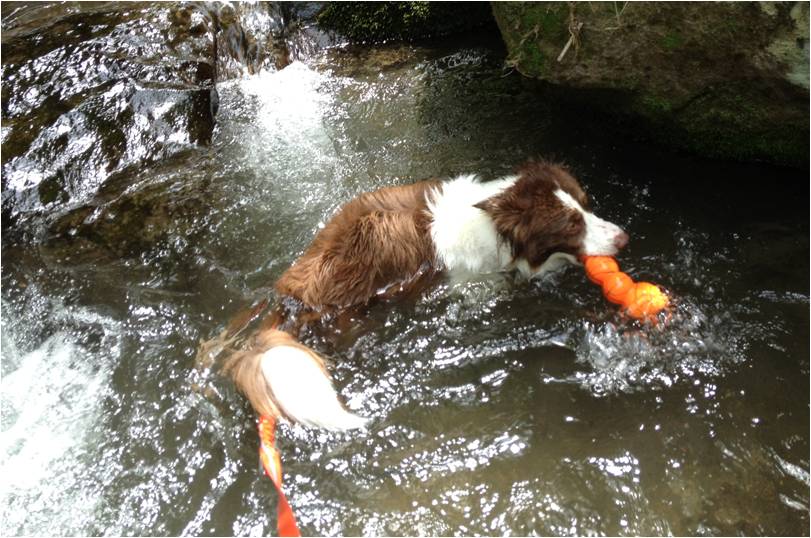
(141,211)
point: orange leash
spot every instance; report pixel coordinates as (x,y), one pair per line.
(272,463)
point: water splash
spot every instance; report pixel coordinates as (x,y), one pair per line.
(52,403)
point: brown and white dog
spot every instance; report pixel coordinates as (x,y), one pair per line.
(393,240)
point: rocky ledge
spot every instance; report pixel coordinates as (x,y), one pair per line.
(721,79)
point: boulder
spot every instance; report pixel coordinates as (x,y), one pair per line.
(725,79)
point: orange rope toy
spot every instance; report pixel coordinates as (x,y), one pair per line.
(272,462)
(640,300)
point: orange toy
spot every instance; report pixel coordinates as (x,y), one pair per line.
(640,300)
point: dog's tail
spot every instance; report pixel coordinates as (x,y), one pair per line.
(282,377)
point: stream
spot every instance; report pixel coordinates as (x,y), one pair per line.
(149,194)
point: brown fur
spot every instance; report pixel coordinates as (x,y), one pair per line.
(379,246)
(534,221)
(375,240)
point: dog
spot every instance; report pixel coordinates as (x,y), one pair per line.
(397,240)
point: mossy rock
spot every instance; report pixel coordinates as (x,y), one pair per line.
(376,22)
(721,79)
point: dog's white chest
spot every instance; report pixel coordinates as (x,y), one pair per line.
(465,238)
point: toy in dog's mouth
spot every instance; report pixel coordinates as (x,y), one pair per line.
(640,300)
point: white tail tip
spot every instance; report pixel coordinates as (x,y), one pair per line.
(303,391)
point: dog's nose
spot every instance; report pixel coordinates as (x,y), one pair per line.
(621,240)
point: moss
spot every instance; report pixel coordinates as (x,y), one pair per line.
(538,30)
(672,41)
(549,21)
(786,146)
(737,121)
(51,190)
(532,58)
(696,76)
(732,122)
(653,105)
(406,21)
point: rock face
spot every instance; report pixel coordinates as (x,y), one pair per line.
(722,79)
(402,21)
(91,91)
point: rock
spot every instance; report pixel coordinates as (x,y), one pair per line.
(406,21)
(721,79)
(90,90)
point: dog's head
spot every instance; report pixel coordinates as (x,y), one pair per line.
(545,213)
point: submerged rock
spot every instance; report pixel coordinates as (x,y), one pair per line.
(722,79)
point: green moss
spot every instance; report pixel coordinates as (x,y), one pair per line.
(548,21)
(537,31)
(407,21)
(786,145)
(654,105)
(670,72)
(51,190)
(672,41)
(731,26)
(532,59)
(738,122)
(731,122)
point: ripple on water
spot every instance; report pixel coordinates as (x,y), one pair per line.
(497,406)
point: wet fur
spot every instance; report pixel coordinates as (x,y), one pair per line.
(531,219)
(382,244)
(245,369)
(378,239)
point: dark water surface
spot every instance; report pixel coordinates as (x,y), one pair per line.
(141,211)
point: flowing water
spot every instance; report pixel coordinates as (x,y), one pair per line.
(150,194)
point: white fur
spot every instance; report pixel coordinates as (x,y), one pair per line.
(303,391)
(465,239)
(601,235)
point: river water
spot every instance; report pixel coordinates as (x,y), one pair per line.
(144,206)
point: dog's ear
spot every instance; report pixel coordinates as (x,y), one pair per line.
(507,212)
(488,206)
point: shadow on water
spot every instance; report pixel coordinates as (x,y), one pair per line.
(144,205)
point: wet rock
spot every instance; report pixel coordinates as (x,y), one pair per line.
(386,21)
(727,80)
(250,36)
(125,220)
(91,89)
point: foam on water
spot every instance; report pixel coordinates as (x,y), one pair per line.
(278,121)
(51,400)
